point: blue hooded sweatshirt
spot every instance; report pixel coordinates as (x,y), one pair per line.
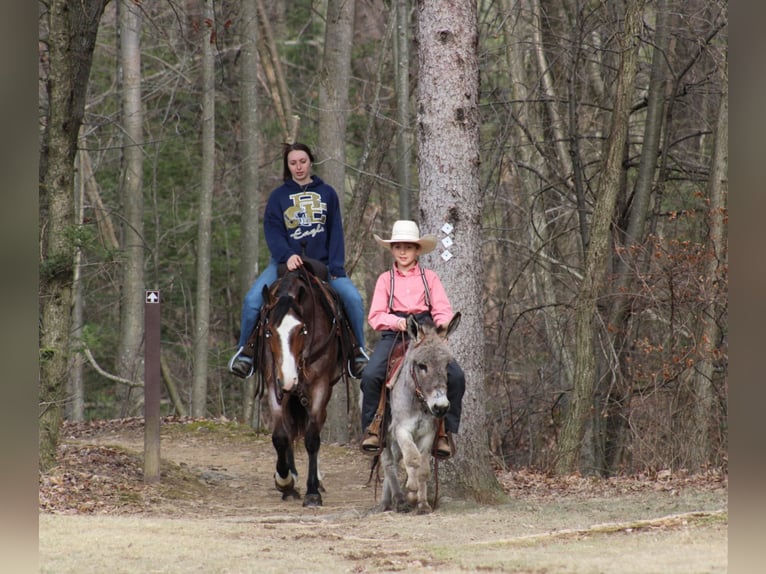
(306,220)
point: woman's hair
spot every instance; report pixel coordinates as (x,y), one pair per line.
(292,147)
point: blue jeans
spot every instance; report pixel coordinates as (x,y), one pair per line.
(349,295)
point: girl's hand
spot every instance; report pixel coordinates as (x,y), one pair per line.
(401,324)
(293,262)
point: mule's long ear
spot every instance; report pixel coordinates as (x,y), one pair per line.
(413,328)
(454,322)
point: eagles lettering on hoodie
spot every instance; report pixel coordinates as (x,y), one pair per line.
(306,220)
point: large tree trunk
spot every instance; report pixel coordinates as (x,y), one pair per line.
(130,363)
(581,403)
(207,180)
(448,141)
(334,82)
(249,192)
(71,38)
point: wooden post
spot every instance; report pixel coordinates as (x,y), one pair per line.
(152,380)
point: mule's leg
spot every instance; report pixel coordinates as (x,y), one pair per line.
(411,458)
(424,472)
(312,442)
(393,497)
(285,475)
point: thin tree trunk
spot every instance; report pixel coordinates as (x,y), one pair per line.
(335,77)
(249,193)
(448,143)
(280,94)
(586,327)
(704,395)
(75,410)
(538,234)
(207,181)
(403,129)
(129,359)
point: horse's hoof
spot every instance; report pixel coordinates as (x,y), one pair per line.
(291,494)
(312,500)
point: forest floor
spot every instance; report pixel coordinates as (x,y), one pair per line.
(215,510)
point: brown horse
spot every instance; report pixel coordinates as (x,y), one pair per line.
(300,361)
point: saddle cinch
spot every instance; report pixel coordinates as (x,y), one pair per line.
(318,276)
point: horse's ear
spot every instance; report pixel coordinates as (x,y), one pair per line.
(300,296)
(266,294)
(413,328)
(454,322)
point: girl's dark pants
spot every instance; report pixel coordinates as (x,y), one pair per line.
(375,373)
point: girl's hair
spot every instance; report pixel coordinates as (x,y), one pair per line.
(292,147)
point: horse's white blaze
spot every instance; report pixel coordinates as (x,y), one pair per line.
(288,367)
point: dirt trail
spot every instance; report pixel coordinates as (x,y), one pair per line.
(216,511)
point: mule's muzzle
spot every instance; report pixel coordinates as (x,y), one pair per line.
(439,404)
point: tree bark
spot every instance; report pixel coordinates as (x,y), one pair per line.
(130,363)
(207,181)
(710,332)
(335,77)
(448,143)
(403,128)
(71,30)
(249,194)
(581,403)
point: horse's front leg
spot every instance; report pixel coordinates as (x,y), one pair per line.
(312,442)
(285,475)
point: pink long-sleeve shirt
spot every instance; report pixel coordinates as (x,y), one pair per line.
(409,297)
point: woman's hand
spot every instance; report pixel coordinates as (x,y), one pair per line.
(293,262)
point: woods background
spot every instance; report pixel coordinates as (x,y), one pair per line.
(184,110)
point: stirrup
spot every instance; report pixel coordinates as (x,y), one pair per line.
(241,365)
(358,362)
(371,444)
(442,451)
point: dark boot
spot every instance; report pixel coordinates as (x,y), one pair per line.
(371,444)
(442,448)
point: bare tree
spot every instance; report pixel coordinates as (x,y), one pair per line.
(710,329)
(586,328)
(129,359)
(335,77)
(69,36)
(249,192)
(448,172)
(403,128)
(207,181)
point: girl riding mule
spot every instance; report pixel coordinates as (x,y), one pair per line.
(418,400)
(300,355)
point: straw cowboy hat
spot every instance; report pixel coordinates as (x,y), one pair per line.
(405,231)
